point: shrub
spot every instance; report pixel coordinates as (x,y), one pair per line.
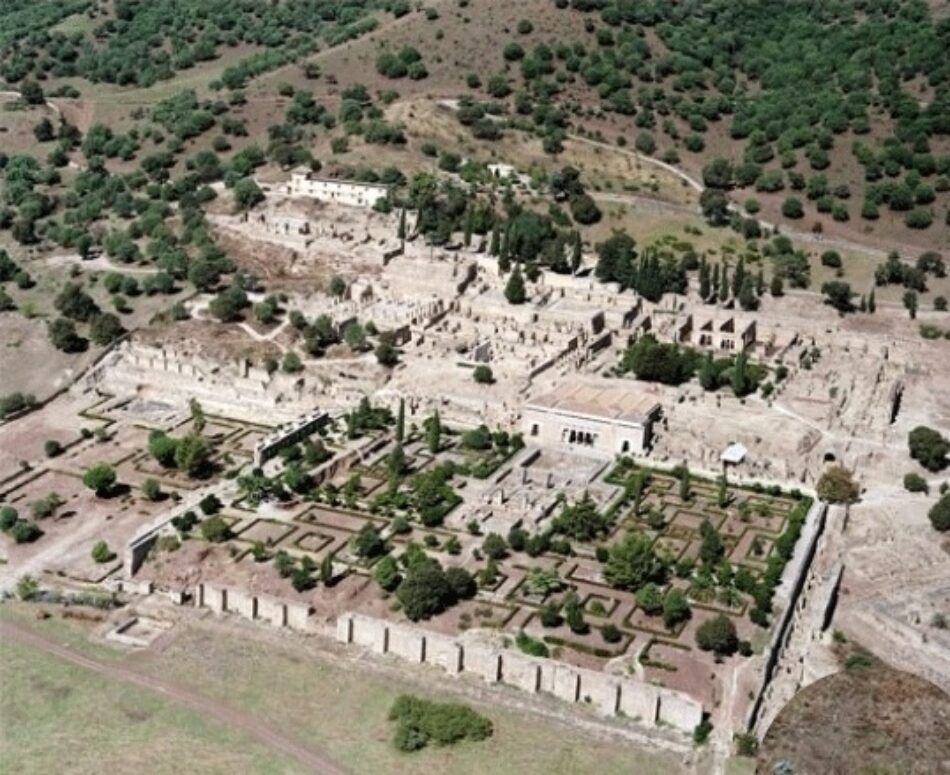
(25,532)
(611,633)
(915,483)
(718,635)
(101,552)
(100,478)
(675,608)
(939,514)
(425,591)
(928,447)
(483,375)
(495,547)
(649,599)
(420,722)
(837,486)
(8,517)
(215,530)
(531,646)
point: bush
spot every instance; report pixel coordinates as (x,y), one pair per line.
(25,532)
(52,448)
(425,591)
(531,646)
(215,530)
(928,447)
(100,478)
(101,552)
(718,635)
(495,547)
(420,722)
(483,375)
(611,633)
(915,483)
(837,486)
(939,514)
(792,208)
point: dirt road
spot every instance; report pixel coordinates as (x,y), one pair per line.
(311,760)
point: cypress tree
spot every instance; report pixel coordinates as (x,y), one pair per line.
(704,282)
(872,306)
(401,421)
(739,277)
(434,433)
(515,290)
(468,227)
(401,230)
(495,246)
(724,285)
(576,252)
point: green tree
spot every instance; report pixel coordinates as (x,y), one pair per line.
(215,529)
(675,608)
(162,447)
(291,363)
(193,455)
(401,421)
(247,194)
(151,489)
(101,552)
(434,433)
(483,374)
(27,588)
(837,486)
(396,462)
(355,337)
(650,599)
(631,562)
(386,573)
(939,514)
(425,591)
(495,547)
(368,543)
(718,635)
(684,487)
(928,447)
(100,478)
(515,288)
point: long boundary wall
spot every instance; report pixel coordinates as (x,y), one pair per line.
(607,694)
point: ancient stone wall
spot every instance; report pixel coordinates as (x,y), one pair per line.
(606,693)
(237,601)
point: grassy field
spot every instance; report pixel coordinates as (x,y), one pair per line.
(344,711)
(47,706)
(57,718)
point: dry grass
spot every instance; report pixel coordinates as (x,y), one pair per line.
(863,719)
(59,718)
(310,698)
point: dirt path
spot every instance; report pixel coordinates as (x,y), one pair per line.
(311,760)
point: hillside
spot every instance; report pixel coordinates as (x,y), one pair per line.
(892,722)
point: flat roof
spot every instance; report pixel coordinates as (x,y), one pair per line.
(607,399)
(734,454)
(311,176)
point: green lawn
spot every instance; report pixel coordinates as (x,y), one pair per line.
(60,718)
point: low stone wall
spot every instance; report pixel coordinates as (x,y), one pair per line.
(279,613)
(608,694)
